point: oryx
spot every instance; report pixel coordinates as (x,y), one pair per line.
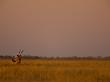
(18,57)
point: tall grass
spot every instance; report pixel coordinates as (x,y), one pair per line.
(55,71)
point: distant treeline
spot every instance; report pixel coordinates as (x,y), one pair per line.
(65,58)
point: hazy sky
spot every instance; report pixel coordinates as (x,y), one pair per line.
(55,27)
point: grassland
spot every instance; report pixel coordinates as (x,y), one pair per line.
(55,71)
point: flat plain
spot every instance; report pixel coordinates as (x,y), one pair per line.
(55,71)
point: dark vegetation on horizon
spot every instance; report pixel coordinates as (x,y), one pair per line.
(65,58)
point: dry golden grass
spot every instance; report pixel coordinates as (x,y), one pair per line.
(55,71)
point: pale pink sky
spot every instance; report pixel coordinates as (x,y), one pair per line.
(55,27)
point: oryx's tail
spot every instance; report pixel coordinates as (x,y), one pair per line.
(13,59)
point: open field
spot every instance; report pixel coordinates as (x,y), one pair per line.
(55,71)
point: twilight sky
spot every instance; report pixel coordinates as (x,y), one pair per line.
(55,27)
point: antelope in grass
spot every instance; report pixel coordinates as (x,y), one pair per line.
(18,57)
